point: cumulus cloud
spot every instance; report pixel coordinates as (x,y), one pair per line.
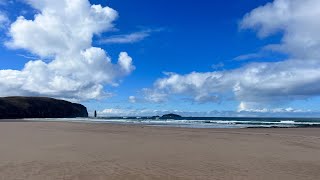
(62,32)
(296,19)
(259,84)
(125,62)
(254,84)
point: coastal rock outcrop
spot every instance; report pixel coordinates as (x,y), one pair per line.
(171,116)
(39,107)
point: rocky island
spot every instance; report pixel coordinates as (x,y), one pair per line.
(171,116)
(39,107)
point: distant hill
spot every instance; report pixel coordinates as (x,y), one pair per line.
(39,107)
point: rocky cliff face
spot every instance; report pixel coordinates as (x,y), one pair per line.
(39,107)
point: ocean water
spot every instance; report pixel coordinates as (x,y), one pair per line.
(203,122)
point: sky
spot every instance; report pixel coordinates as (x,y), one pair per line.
(195,58)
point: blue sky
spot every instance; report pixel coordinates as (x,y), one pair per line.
(197,57)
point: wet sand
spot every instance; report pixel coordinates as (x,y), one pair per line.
(54,150)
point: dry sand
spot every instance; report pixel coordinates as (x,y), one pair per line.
(52,150)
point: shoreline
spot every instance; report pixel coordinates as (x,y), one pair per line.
(187,126)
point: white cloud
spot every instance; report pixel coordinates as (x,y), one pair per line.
(154,96)
(125,62)
(296,19)
(63,31)
(217,66)
(279,112)
(248,56)
(132,99)
(130,112)
(126,38)
(4,20)
(144,112)
(61,27)
(243,107)
(259,84)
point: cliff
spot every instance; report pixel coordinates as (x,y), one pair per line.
(39,107)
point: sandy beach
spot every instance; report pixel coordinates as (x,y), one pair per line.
(54,150)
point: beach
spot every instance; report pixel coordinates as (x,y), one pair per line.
(89,151)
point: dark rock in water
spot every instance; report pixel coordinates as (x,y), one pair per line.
(39,107)
(171,116)
(154,117)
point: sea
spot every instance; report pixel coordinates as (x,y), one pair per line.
(202,122)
